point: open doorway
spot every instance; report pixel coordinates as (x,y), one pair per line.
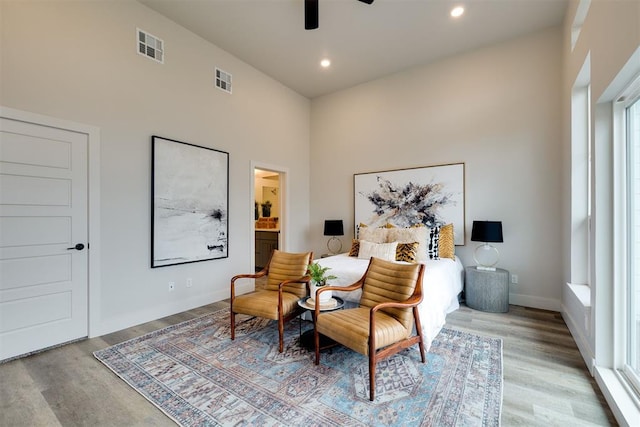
(268,214)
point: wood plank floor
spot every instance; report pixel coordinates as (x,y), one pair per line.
(545,380)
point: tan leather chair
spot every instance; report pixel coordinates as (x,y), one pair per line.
(382,325)
(286,284)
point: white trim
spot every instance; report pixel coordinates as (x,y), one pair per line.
(624,406)
(577,315)
(93,135)
(283,243)
(619,169)
(550,304)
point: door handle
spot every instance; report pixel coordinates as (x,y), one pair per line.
(77,247)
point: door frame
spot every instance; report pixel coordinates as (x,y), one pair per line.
(93,201)
(284,207)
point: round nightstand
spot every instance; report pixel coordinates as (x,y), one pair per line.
(487,290)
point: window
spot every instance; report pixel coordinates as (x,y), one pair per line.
(632,132)
(627,112)
(581,176)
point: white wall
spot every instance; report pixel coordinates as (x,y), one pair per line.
(78,61)
(495,109)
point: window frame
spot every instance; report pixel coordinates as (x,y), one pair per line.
(622,241)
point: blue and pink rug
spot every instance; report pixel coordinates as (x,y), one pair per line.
(196,375)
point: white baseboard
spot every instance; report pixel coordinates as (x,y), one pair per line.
(534,302)
(122,322)
(577,332)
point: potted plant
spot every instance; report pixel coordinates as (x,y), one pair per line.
(319,279)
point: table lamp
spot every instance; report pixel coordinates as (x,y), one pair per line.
(487,232)
(334,227)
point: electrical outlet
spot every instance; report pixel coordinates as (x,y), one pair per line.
(189,282)
(514,279)
(172,286)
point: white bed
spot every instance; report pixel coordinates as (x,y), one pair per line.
(441,284)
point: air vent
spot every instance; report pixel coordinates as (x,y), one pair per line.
(150,46)
(223,80)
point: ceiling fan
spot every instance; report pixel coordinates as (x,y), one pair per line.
(311,13)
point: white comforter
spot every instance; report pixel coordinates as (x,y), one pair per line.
(441,284)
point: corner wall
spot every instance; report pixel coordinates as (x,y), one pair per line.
(78,61)
(497,110)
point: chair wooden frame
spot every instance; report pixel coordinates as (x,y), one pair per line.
(375,356)
(282,317)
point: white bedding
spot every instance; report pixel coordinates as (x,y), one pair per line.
(441,284)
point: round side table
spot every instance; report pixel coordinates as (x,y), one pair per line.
(487,290)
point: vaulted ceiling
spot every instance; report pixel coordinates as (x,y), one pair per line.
(364,42)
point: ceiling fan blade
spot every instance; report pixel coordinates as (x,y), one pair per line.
(311,14)
(366,1)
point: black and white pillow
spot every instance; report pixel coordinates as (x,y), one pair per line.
(434,241)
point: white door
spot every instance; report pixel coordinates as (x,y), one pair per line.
(43,216)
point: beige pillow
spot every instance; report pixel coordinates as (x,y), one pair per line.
(411,235)
(386,251)
(373,234)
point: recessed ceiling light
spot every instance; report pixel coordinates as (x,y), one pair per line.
(457,11)
(325,63)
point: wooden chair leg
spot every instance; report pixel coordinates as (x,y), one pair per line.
(416,317)
(281,334)
(372,377)
(233,325)
(316,342)
(422,355)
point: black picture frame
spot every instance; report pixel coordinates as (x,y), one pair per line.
(190,203)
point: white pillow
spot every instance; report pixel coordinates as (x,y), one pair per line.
(386,251)
(410,235)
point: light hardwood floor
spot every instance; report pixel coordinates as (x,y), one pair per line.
(545,380)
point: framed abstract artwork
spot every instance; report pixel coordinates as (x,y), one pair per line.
(190,203)
(430,195)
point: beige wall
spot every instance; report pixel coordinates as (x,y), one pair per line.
(495,109)
(78,61)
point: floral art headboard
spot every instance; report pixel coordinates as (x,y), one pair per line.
(431,196)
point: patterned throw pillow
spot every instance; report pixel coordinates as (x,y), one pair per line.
(407,252)
(434,241)
(446,245)
(355,247)
(410,235)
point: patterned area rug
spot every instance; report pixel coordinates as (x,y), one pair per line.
(196,375)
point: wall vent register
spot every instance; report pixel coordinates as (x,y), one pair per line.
(150,46)
(223,80)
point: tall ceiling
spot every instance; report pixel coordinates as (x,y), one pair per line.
(364,42)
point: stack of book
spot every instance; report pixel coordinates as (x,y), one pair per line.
(332,303)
